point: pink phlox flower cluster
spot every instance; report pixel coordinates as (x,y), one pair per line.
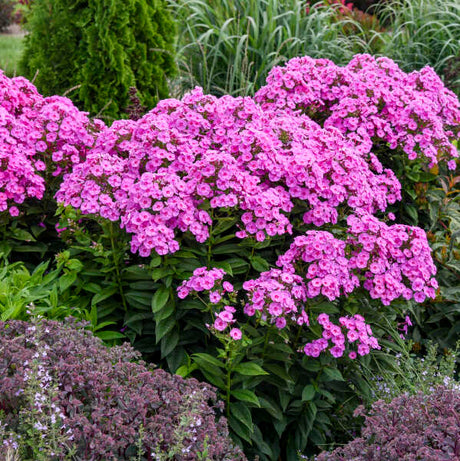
(177,158)
(396,260)
(211,282)
(279,296)
(322,260)
(350,330)
(319,167)
(371,100)
(38,136)
(228,153)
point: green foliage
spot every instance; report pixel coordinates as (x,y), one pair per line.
(101,47)
(424,32)
(278,401)
(412,374)
(228,47)
(47,289)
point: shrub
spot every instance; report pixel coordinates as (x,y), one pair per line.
(6,14)
(106,404)
(409,427)
(103,48)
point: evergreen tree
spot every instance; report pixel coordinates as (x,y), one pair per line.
(105,46)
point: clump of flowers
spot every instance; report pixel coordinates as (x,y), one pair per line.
(371,100)
(351,330)
(328,270)
(39,138)
(409,427)
(396,259)
(279,296)
(211,283)
(106,401)
(186,161)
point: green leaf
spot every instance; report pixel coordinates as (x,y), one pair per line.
(213,378)
(308,392)
(246,395)
(242,413)
(332,374)
(259,264)
(272,408)
(240,429)
(161,272)
(92,287)
(138,297)
(168,343)
(223,224)
(23,235)
(250,369)
(104,294)
(66,280)
(223,265)
(160,298)
(185,370)
(207,361)
(164,327)
(109,335)
(74,265)
(155,261)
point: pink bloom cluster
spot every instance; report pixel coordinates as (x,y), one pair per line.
(186,160)
(328,270)
(211,282)
(38,136)
(351,330)
(279,296)
(370,100)
(396,260)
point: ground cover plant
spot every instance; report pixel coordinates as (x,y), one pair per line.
(64,395)
(409,427)
(264,257)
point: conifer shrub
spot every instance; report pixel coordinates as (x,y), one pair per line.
(61,388)
(102,48)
